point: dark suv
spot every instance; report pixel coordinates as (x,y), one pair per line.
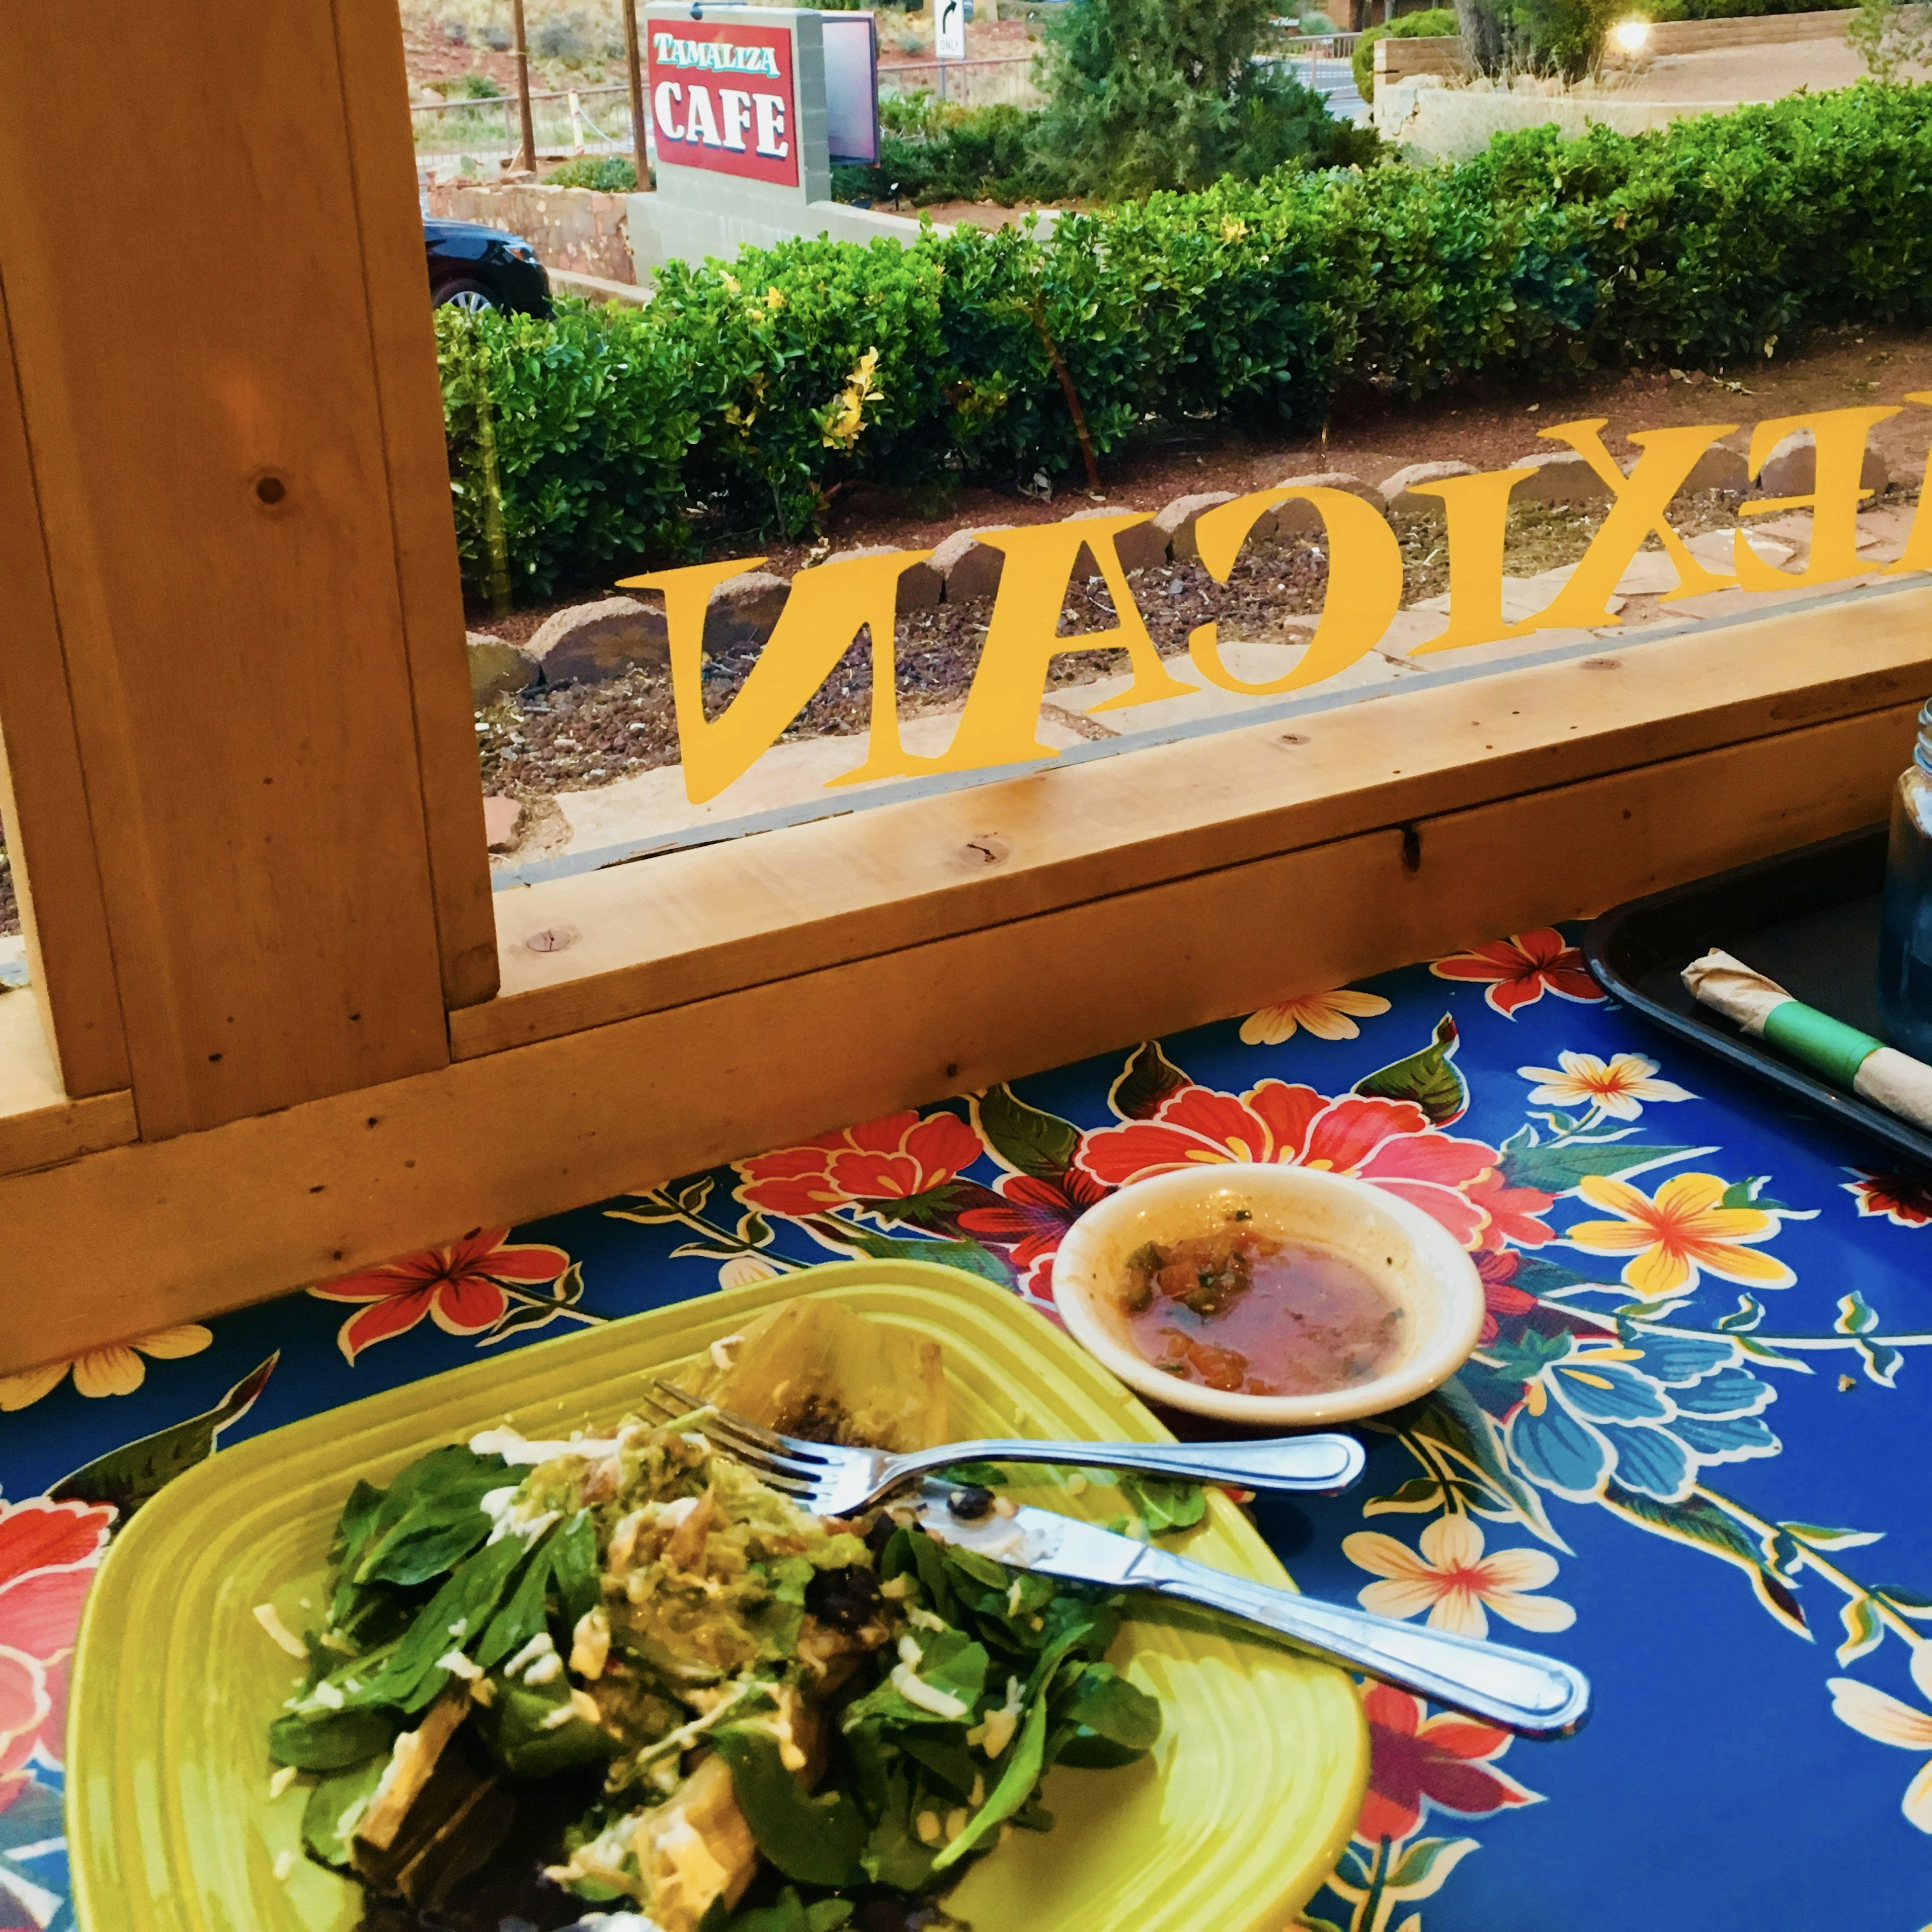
(473,267)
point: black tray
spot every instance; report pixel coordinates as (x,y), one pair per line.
(1808,919)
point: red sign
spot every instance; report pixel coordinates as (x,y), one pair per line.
(721,98)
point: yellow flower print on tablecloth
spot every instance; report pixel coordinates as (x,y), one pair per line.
(1877,1715)
(1327,1016)
(1617,1087)
(1454,1581)
(116,1370)
(1694,1225)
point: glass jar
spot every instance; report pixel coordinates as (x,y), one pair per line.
(1905,941)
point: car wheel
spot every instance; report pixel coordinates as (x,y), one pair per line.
(473,298)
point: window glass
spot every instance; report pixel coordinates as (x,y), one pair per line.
(1372,351)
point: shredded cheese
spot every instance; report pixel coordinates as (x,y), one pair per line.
(539,1645)
(265,1616)
(285,1864)
(915,1690)
(927,1826)
(282,1780)
(458,1665)
(590,1643)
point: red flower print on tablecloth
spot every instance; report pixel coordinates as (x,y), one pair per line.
(1501,1297)
(1418,1763)
(49,1551)
(465,1288)
(1030,1218)
(1520,970)
(896,1158)
(1390,1144)
(1896,1198)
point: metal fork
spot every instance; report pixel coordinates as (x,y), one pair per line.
(833,1480)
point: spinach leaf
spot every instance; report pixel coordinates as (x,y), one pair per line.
(912,1551)
(788,1914)
(894,1856)
(816,1840)
(1087,1750)
(331,1740)
(525,1613)
(947,1758)
(1101,1700)
(334,1808)
(358,1519)
(521,1727)
(1025,1762)
(1165,1504)
(411,1677)
(573,1563)
(429,1517)
(950,1661)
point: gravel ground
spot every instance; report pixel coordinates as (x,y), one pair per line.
(582,736)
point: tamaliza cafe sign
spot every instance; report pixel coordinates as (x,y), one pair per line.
(830,604)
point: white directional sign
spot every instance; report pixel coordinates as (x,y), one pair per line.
(949,38)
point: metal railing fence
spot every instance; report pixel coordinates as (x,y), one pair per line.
(1004,82)
(485,129)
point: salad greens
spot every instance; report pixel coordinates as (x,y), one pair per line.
(728,1715)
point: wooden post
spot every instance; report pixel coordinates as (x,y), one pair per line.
(236,696)
(634,59)
(526,155)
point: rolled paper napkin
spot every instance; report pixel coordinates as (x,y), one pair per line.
(1875,1072)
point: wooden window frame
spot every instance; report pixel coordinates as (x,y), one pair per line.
(715,1001)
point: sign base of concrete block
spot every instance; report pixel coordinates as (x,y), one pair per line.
(1176,521)
(1789,468)
(1138,547)
(920,586)
(968,568)
(1399,491)
(1297,518)
(1561,476)
(1718,469)
(590,642)
(497,669)
(500,819)
(744,610)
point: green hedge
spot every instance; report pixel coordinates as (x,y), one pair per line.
(742,399)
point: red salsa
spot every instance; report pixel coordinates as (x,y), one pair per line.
(1247,1312)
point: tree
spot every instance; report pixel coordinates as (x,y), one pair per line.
(1169,94)
(1483,34)
(1889,37)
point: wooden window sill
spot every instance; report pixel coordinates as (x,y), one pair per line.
(700,923)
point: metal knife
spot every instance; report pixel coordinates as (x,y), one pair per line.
(1534,1696)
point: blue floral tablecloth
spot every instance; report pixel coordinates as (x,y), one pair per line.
(1693,1453)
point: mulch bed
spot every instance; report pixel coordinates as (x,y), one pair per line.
(582,736)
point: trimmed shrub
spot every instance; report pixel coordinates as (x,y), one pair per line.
(746,398)
(612,174)
(931,151)
(1432,23)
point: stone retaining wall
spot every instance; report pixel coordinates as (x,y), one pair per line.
(1399,60)
(1430,122)
(576,229)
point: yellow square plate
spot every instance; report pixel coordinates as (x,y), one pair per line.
(1240,1812)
